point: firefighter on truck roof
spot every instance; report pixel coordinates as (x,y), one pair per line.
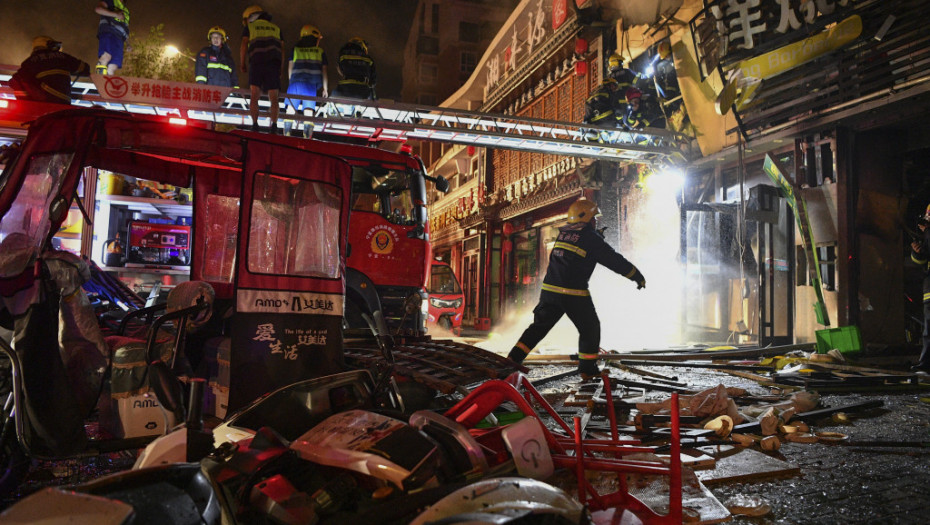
(46,75)
(578,249)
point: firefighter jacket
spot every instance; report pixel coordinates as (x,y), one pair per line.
(648,115)
(600,108)
(923,259)
(625,78)
(215,67)
(46,76)
(309,61)
(265,45)
(118,26)
(356,66)
(578,249)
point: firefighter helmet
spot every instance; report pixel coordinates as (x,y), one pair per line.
(45,42)
(614,61)
(664,49)
(582,210)
(216,29)
(927,213)
(632,93)
(309,30)
(249,11)
(360,42)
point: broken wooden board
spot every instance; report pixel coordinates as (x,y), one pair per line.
(693,458)
(747,465)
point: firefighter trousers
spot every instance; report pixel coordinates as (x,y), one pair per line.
(580,311)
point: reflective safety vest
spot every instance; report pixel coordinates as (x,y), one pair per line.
(308,64)
(264,40)
(119,25)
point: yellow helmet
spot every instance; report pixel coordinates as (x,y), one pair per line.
(249,11)
(582,210)
(360,41)
(216,29)
(614,61)
(45,42)
(664,49)
(309,30)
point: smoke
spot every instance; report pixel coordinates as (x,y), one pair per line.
(630,319)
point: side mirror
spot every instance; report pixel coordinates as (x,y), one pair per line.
(441,184)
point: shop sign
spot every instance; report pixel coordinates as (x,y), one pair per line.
(532,28)
(131,90)
(729,26)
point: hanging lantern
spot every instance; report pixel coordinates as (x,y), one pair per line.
(581,68)
(470,150)
(507,228)
(581,46)
(507,246)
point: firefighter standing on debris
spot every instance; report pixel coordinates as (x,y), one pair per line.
(214,65)
(357,70)
(306,73)
(920,248)
(46,75)
(578,249)
(261,55)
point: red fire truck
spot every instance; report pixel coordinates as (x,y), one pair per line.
(389,250)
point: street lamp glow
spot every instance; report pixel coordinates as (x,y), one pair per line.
(171,51)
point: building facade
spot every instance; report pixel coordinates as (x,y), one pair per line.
(800,197)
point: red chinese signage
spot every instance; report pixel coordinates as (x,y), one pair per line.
(132,90)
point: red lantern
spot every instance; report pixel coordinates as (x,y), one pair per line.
(507,246)
(581,68)
(581,46)
(507,228)
(470,150)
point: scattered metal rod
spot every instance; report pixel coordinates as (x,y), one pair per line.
(702,364)
(651,386)
(639,371)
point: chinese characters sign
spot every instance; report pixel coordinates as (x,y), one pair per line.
(732,30)
(131,90)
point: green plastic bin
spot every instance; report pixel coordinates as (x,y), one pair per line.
(846,339)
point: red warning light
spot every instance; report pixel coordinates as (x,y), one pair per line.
(406,148)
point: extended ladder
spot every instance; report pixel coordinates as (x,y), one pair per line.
(386,120)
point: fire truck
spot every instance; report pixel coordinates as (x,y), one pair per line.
(388,237)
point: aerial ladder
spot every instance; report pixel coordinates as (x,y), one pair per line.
(376,120)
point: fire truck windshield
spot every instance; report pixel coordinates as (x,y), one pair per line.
(388,193)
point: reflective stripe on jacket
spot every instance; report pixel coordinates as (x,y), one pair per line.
(264,40)
(215,66)
(308,63)
(577,250)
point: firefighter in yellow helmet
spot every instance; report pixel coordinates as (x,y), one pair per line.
(214,64)
(625,77)
(306,73)
(46,75)
(261,55)
(920,254)
(357,70)
(578,249)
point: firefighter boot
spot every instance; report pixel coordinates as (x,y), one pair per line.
(588,369)
(518,353)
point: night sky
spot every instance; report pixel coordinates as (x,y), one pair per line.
(384,24)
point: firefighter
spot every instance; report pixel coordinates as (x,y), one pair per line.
(601,108)
(357,70)
(261,55)
(46,75)
(112,32)
(625,78)
(920,248)
(306,72)
(642,111)
(665,76)
(578,249)
(214,65)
